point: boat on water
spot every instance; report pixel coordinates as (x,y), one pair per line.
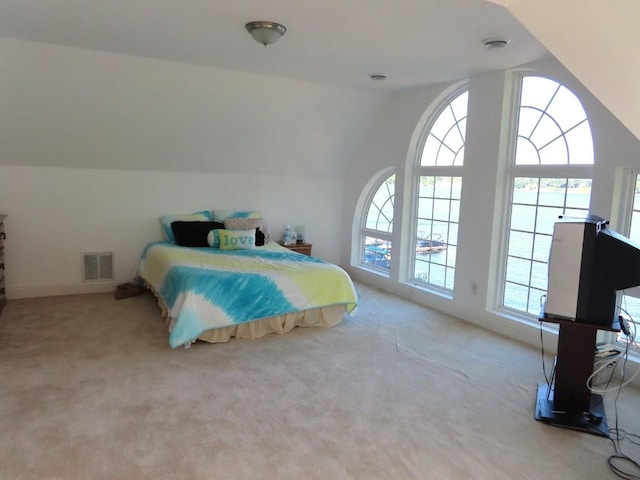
(430,245)
(379,254)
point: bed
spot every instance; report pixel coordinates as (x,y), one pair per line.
(212,294)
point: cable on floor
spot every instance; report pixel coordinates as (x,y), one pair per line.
(620,463)
(407,352)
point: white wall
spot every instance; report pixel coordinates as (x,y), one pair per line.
(54,214)
(72,107)
(96,146)
(483,190)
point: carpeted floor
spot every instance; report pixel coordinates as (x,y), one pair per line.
(91,390)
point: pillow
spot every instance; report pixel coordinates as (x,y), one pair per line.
(247,224)
(193,234)
(237,239)
(167,220)
(213,238)
(222,215)
(260,240)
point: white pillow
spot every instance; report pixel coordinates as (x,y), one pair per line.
(248,223)
(237,239)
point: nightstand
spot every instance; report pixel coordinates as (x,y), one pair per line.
(304,248)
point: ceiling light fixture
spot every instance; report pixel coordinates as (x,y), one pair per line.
(377,76)
(265,33)
(495,43)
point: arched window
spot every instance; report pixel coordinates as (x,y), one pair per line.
(550,176)
(439,177)
(631,300)
(629,225)
(376,232)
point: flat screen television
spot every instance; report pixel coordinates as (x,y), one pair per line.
(589,263)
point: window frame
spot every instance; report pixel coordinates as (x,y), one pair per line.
(364,232)
(624,215)
(513,171)
(419,171)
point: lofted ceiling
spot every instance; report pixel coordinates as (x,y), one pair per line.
(336,42)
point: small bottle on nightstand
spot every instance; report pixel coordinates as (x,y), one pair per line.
(289,237)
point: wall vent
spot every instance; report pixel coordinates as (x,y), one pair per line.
(97,266)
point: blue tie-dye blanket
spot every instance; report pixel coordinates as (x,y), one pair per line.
(205,288)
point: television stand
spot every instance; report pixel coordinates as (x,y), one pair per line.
(593,421)
(568,402)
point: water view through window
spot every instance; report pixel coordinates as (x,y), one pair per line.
(552,133)
(376,251)
(537,205)
(438,203)
(437,230)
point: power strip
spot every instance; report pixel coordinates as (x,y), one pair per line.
(607,350)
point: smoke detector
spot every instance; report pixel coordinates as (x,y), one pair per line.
(495,43)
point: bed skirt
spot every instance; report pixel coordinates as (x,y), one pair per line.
(316,317)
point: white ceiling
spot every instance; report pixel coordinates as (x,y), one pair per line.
(338,42)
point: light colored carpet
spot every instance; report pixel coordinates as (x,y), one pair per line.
(91,390)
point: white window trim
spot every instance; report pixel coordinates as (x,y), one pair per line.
(624,190)
(511,172)
(417,170)
(624,194)
(362,231)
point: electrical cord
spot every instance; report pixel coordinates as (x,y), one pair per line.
(619,462)
(630,340)
(409,353)
(619,459)
(613,360)
(618,470)
(544,368)
(624,435)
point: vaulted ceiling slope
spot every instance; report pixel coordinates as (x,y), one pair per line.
(415,42)
(597,41)
(181,86)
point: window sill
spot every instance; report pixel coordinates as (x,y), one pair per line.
(380,272)
(422,287)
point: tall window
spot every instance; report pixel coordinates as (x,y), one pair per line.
(630,301)
(376,232)
(439,176)
(551,176)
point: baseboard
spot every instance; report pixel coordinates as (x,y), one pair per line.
(56,290)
